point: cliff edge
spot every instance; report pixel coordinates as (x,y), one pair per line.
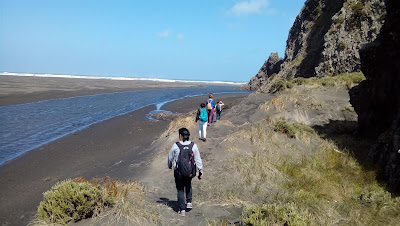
(377,99)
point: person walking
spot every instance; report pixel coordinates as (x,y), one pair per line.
(210,108)
(177,159)
(202,117)
(218,109)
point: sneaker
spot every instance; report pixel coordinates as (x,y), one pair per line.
(181,213)
(204,139)
(189,205)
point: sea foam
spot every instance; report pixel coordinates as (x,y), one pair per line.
(120,78)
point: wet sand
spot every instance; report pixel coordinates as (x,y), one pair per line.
(24,89)
(118,147)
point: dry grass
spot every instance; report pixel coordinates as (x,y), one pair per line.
(130,206)
(127,207)
(324,185)
(347,80)
(184,121)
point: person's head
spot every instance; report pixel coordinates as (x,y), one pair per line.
(210,96)
(184,134)
(202,105)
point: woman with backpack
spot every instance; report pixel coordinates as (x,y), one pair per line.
(210,108)
(184,157)
(202,117)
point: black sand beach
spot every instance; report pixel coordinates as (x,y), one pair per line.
(118,147)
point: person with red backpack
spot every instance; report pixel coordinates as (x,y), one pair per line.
(202,117)
(184,157)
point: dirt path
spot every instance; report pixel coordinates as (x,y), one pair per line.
(158,177)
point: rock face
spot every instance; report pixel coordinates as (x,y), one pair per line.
(271,66)
(377,99)
(326,37)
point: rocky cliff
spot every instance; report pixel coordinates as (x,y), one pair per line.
(377,99)
(270,67)
(325,39)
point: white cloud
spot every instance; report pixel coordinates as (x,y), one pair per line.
(248,7)
(164,34)
(180,37)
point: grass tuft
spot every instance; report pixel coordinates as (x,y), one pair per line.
(277,214)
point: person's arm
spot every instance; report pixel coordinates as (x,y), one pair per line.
(197,158)
(198,115)
(171,155)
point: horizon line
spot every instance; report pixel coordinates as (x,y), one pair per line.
(47,75)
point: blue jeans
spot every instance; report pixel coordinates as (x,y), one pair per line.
(183,185)
(218,115)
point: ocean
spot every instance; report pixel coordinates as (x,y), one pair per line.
(24,127)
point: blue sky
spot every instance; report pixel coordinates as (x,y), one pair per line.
(197,40)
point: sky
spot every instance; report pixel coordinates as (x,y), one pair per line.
(216,40)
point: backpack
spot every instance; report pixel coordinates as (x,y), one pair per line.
(219,107)
(203,115)
(209,105)
(185,165)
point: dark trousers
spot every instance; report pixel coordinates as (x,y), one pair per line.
(183,185)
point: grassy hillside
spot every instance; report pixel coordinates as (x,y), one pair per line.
(287,158)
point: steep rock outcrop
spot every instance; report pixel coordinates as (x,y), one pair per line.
(357,23)
(326,37)
(306,38)
(271,66)
(377,99)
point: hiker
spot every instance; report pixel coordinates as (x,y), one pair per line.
(210,108)
(218,109)
(202,117)
(181,157)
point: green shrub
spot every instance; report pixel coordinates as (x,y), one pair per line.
(277,214)
(289,84)
(299,81)
(285,128)
(278,85)
(358,9)
(339,20)
(71,201)
(358,14)
(273,76)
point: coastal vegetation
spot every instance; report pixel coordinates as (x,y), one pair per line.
(289,168)
(76,199)
(344,79)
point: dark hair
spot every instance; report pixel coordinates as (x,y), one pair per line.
(202,105)
(185,133)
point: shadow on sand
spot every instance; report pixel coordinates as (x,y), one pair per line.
(172,204)
(346,136)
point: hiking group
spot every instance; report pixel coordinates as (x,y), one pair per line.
(184,156)
(205,116)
